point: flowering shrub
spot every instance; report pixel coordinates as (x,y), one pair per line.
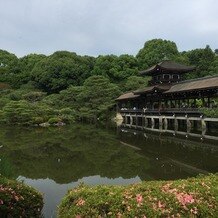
(194,197)
(19,200)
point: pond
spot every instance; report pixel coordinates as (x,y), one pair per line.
(53,160)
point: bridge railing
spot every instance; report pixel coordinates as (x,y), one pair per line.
(169,110)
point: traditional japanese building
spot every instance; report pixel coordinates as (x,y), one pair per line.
(168,92)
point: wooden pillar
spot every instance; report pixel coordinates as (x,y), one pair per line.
(161,122)
(203,125)
(195,103)
(152,123)
(136,120)
(189,125)
(188,103)
(176,125)
(146,121)
(208,102)
(126,119)
(165,123)
(131,120)
(203,100)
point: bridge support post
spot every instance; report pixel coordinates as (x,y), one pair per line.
(136,120)
(189,125)
(126,119)
(146,122)
(203,125)
(131,119)
(165,123)
(176,124)
(160,122)
(152,122)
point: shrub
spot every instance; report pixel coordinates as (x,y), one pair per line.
(54,120)
(210,112)
(34,96)
(19,200)
(18,112)
(38,120)
(182,198)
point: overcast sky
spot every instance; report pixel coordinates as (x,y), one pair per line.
(95,27)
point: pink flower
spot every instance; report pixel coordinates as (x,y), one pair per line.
(80,202)
(160,205)
(185,198)
(1,201)
(139,198)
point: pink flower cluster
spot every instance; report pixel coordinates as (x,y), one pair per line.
(80,202)
(139,199)
(184,198)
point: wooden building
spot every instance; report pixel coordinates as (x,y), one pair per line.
(168,92)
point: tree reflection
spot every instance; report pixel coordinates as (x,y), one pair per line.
(70,153)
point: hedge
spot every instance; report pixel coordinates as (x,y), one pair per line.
(19,200)
(193,197)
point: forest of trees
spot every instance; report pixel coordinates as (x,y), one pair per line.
(66,87)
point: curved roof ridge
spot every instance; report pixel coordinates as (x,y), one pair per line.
(169,65)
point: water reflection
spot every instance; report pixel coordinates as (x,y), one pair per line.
(173,157)
(56,159)
(54,192)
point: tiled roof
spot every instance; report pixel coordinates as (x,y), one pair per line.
(168,65)
(127,96)
(151,88)
(188,85)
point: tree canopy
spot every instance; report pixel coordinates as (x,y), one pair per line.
(9,66)
(97,97)
(204,60)
(66,86)
(56,72)
(115,68)
(156,50)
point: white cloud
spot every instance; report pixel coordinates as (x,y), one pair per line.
(95,27)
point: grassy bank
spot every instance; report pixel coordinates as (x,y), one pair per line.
(194,197)
(19,200)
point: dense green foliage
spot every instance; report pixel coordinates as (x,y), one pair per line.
(156,50)
(9,67)
(116,68)
(204,60)
(210,112)
(194,197)
(61,69)
(19,200)
(41,87)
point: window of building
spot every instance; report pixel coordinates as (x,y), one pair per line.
(166,76)
(175,76)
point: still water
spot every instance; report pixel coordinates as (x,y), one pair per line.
(54,160)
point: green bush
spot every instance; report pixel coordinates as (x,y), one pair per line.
(19,200)
(38,120)
(210,112)
(34,96)
(17,112)
(194,197)
(54,120)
